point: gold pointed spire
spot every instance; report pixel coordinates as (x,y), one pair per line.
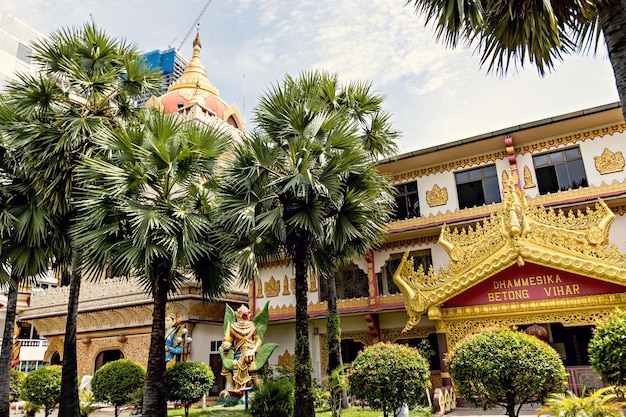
(195,76)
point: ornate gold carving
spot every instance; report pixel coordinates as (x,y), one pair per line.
(55,345)
(392,335)
(460,164)
(517,233)
(259,289)
(481,159)
(570,139)
(286,285)
(425,221)
(272,287)
(207,311)
(437,196)
(459,329)
(407,243)
(313,279)
(285,361)
(528,178)
(292,281)
(609,162)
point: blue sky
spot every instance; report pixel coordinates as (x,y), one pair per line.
(435,94)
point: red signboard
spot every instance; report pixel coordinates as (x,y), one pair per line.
(531,282)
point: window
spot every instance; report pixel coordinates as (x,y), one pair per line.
(350,281)
(24,52)
(476,187)
(561,170)
(385,276)
(107,356)
(407,203)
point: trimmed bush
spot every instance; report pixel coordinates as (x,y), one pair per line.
(606,349)
(42,387)
(506,368)
(15,384)
(187,382)
(273,398)
(387,376)
(118,383)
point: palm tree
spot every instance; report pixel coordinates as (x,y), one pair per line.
(87,85)
(540,31)
(146,210)
(302,182)
(24,227)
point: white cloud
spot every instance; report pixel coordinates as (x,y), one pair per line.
(435,94)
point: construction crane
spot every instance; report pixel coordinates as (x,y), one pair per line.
(194,24)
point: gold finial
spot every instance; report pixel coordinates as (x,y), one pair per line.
(194,77)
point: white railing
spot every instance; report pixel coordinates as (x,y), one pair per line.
(32,342)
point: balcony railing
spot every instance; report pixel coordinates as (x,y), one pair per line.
(32,342)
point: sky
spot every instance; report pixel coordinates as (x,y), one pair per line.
(435,94)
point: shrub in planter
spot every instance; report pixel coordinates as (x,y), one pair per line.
(187,382)
(42,387)
(606,349)
(118,382)
(273,398)
(506,368)
(386,376)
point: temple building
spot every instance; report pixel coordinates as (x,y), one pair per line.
(520,227)
(115,314)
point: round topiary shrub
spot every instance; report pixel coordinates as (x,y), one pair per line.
(43,387)
(187,382)
(506,368)
(606,349)
(118,383)
(386,376)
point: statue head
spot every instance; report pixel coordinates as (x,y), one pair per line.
(171,318)
(243,313)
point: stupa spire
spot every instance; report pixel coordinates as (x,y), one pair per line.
(195,75)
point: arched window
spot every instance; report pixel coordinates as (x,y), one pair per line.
(107,356)
(55,359)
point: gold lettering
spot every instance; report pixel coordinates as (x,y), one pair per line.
(576,288)
(558,278)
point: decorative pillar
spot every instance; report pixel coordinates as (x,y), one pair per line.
(372,282)
(510,151)
(442,342)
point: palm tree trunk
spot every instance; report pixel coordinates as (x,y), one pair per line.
(612,19)
(155,390)
(334,332)
(7,349)
(302,366)
(69,402)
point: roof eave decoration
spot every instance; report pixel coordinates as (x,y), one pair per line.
(516,234)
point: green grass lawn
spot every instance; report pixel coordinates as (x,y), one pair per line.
(239,412)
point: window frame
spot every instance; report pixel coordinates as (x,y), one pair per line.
(410,210)
(465,186)
(558,164)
